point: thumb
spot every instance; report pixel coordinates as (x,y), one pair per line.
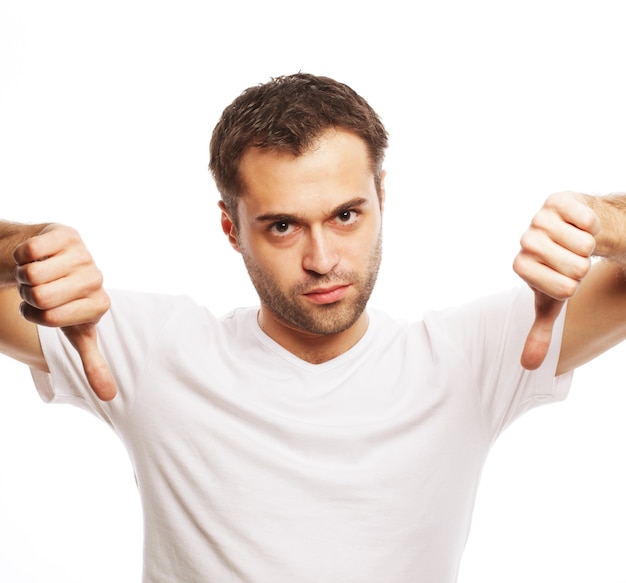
(84,339)
(547,310)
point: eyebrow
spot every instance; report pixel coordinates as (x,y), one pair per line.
(294,218)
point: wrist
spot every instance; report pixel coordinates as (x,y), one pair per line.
(12,235)
(611,240)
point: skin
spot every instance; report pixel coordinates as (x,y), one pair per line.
(555,261)
(308,249)
(310,236)
(54,282)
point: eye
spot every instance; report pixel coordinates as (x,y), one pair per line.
(347,217)
(281,228)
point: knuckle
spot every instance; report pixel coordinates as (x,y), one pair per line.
(83,257)
(518,264)
(39,297)
(29,313)
(92,284)
(36,296)
(24,292)
(556,198)
(22,274)
(532,241)
(47,318)
(69,234)
(526,240)
(30,273)
(588,244)
(524,266)
(540,219)
(582,268)
(26,252)
(553,200)
(566,289)
(106,300)
(32,247)
(100,306)
(98,279)
(557,202)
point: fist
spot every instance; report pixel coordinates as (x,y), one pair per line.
(61,286)
(555,256)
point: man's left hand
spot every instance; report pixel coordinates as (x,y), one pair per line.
(555,256)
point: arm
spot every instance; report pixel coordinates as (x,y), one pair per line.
(48,276)
(18,337)
(555,260)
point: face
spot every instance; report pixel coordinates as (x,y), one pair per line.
(310,233)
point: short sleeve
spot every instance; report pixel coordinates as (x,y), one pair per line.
(489,335)
(127,334)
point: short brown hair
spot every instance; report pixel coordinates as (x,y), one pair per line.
(288,114)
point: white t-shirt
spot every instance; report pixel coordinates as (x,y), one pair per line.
(255,466)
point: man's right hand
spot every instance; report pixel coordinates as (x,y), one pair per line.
(61,286)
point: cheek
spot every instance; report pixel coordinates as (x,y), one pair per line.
(359,249)
(282,266)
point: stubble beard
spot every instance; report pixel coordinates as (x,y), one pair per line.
(289,307)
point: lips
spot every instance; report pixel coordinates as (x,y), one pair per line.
(328,295)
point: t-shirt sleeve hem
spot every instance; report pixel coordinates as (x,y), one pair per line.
(46,383)
(43,384)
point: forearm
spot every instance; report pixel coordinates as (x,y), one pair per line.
(59,286)
(611,240)
(12,235)
(596,315)
(555,260)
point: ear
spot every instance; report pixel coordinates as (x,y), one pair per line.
(228,226)
(383,194)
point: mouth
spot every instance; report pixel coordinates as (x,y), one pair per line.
(327,295)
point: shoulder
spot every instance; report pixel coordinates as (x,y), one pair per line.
(143,318)
(147,301)
(146,308)
(513,307)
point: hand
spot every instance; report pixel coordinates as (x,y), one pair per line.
(62,287)
(555,256)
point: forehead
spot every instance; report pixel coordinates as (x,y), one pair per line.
(335,168)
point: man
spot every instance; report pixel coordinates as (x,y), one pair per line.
(310,439)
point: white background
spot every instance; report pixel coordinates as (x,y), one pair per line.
(106,110)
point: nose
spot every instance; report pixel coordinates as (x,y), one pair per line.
(320,255)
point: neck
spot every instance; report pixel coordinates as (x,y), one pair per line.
(308,346)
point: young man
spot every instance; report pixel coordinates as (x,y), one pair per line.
(310,439)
